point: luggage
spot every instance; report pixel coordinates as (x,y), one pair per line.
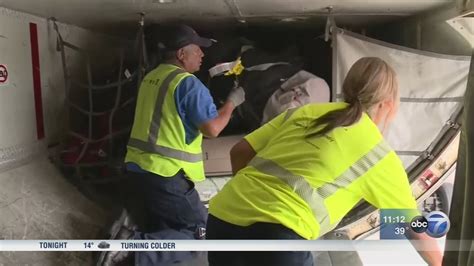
(272,84)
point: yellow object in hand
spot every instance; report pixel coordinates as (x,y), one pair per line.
(237,69)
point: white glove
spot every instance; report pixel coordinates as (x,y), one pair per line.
(237,96)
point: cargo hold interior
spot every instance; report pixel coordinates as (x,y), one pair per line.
(71,71)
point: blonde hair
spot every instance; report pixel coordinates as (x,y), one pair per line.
(369,82)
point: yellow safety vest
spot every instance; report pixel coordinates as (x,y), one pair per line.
(157,141)
(309,185)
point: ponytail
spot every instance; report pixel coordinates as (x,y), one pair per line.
(369,82)
(337,118)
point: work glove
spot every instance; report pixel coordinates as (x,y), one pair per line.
(237,96)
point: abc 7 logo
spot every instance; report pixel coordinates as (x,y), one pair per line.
(435,224)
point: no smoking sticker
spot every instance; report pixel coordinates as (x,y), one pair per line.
(3,74)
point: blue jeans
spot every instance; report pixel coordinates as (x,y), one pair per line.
(172,210)
(218,229)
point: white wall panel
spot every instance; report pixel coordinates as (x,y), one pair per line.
(17,107)
(431,85)
(17,115)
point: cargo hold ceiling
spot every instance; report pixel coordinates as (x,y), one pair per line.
(108,14)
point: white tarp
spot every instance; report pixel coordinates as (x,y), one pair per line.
(432,87)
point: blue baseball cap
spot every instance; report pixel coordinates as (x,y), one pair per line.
(182,35)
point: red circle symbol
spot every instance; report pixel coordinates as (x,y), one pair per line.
(3,74)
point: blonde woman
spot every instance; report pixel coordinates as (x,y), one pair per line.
(297,176)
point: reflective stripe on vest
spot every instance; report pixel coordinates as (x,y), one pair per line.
(151,146)
(315,197)
(165,151)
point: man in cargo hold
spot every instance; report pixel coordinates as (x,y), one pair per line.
(174,109)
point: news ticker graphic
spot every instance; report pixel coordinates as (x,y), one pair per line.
(217,245)
(395,223)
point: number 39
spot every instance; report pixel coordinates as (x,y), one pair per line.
(399,230)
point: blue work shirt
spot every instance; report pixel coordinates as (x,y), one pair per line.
(195,107)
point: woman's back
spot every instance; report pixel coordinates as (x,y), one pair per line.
(301,182)
(290,147)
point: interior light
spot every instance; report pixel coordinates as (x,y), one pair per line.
(292,19)
(288,20)
(163,1)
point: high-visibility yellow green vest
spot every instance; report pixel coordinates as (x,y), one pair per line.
(157,141)
(309,185)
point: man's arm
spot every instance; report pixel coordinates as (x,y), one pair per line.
(213,127)
(427,247)
(240,155)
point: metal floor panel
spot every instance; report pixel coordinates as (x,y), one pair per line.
(36,202)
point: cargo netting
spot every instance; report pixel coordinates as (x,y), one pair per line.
(101,114)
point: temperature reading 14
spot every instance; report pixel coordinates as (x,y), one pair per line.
(88,244)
